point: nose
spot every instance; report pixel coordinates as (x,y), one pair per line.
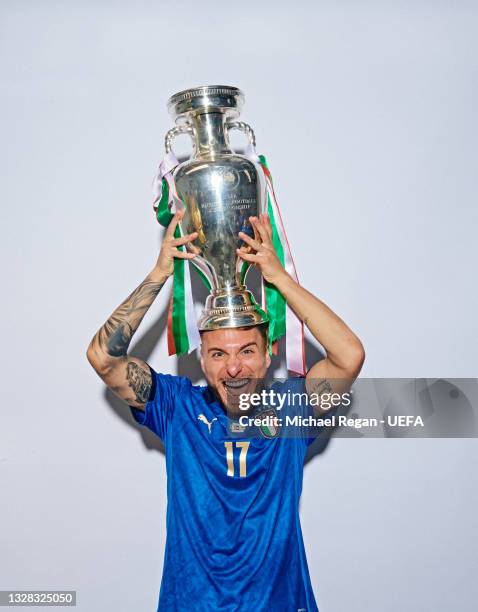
(233,366)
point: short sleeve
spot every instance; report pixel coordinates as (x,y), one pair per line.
(158,411)
(303,409)
(299,410)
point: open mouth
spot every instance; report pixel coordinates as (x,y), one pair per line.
(238,390)
(236,384)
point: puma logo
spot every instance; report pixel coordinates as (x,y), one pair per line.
(203,419)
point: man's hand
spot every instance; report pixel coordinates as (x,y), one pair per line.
(169,248)
(262,252)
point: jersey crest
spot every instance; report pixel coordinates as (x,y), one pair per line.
(269,426)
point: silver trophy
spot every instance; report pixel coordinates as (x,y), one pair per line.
(220,190)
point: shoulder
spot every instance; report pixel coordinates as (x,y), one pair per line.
(177,386)
(171,397)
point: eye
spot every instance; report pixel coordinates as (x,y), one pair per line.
(248,351)
(217,354)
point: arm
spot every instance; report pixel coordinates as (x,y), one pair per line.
(130,377)
(344,351)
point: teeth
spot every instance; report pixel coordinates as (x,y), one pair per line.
(235,384)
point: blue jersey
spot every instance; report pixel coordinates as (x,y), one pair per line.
(234,541)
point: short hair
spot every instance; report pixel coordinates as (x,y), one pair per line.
(262,328)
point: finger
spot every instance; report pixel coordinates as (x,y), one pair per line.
(268,225)
(194,249)
(184,255)
(183,239)
(252,221)
(247,256)
(173,224)
(263,232)
(250,241)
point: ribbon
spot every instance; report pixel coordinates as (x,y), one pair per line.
(283,319)
(183,334)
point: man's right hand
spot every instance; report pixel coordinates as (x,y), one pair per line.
(169,249)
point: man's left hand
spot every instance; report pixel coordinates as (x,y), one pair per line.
(262,252)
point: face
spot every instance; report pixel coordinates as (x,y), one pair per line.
(233,360)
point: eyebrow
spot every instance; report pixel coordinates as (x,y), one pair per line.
(215,348)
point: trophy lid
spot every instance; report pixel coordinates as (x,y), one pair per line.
(206,98)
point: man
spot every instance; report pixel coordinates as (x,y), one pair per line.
(234,541)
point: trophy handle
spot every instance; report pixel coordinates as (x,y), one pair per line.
(173,132)
(243,127)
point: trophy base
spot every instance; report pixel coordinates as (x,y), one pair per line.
(232,307)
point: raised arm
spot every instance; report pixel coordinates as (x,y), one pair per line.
(130,377)
(345,353)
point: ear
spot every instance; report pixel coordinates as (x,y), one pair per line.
(268,358)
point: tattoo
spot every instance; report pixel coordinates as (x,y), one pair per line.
(119,340)
(320,386)
(139,380)
(115,335)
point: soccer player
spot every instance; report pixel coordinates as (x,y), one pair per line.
(234,540)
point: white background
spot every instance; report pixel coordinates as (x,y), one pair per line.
(367,114)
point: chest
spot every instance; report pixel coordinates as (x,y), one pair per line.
(202,447)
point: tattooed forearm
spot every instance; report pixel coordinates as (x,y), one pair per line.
(116,334)
(127,376)
(118,342)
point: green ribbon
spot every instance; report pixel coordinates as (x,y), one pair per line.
(179,327)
